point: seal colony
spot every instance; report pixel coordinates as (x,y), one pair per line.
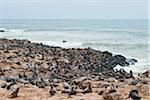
(41,72)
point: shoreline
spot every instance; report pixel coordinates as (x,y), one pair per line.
(72,73)
(122,44)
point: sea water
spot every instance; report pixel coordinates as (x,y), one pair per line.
(125,37)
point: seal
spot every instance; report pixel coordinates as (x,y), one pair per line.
(52,91)
(14,93)
(134,95)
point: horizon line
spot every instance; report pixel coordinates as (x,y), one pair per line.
(74,19)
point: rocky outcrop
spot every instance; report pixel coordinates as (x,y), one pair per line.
(69,71)
(56,62)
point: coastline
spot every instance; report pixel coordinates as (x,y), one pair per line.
(39,68)
(116,44)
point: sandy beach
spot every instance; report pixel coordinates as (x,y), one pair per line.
(33,71)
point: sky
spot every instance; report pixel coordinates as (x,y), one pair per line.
(73,9)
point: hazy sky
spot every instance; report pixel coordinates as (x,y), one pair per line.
(73,9)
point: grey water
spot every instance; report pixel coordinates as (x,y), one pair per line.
(126,37)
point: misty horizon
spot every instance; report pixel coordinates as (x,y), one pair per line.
(84,9)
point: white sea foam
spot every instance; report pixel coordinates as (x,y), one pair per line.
(61,43)
(16,30)
(139,67)
(12,30)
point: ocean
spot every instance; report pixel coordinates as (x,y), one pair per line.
(125,37)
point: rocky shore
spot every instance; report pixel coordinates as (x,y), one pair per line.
(32,71)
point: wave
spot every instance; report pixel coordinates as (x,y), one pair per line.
(139,67)
(61,43)
(120,30)
(87,30)
(12,30)
(115,44)
(70,30)
(95,45)
(17,30)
